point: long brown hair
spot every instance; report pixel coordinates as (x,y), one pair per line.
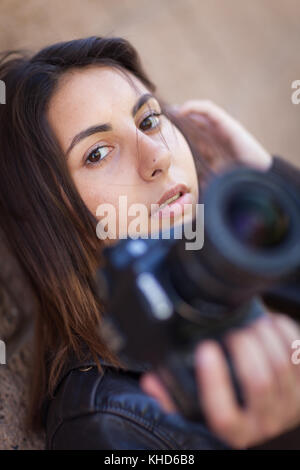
(46,222)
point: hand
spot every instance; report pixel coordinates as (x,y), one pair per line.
(244,146)
(261,355)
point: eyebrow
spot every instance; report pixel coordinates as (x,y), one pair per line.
(106,127)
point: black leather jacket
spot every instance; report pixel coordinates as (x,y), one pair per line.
(110,411)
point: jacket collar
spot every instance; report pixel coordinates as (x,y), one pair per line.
(73,362)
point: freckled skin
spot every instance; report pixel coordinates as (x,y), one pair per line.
(132,151)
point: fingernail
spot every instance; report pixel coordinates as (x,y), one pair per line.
(175,108)
(205,355)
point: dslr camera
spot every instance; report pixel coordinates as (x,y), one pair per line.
(162,299)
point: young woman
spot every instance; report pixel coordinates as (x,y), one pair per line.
(83,125)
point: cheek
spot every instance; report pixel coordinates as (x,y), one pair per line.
(185,160)
(93,192)
(179,146)
(182,153)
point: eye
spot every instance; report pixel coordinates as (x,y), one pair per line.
(153,117)
(96,156)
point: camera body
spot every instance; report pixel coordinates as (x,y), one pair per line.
(162,299)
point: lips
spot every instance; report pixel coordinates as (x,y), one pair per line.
(179,188)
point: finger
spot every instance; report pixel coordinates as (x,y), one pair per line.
(289,331)
(151,385)
(213,113)
(217,115)
(248,149)
(279,359)
(217,396)
(204,106)
(257,380)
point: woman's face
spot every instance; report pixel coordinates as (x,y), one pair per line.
(133,153)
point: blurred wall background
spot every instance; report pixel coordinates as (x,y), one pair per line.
(242,55)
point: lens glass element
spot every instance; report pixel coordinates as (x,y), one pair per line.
(256,218)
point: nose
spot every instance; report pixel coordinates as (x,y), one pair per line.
(154,157)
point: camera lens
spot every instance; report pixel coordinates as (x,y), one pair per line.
(256,218)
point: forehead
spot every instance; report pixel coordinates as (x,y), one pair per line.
(95,87)
(89,96)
